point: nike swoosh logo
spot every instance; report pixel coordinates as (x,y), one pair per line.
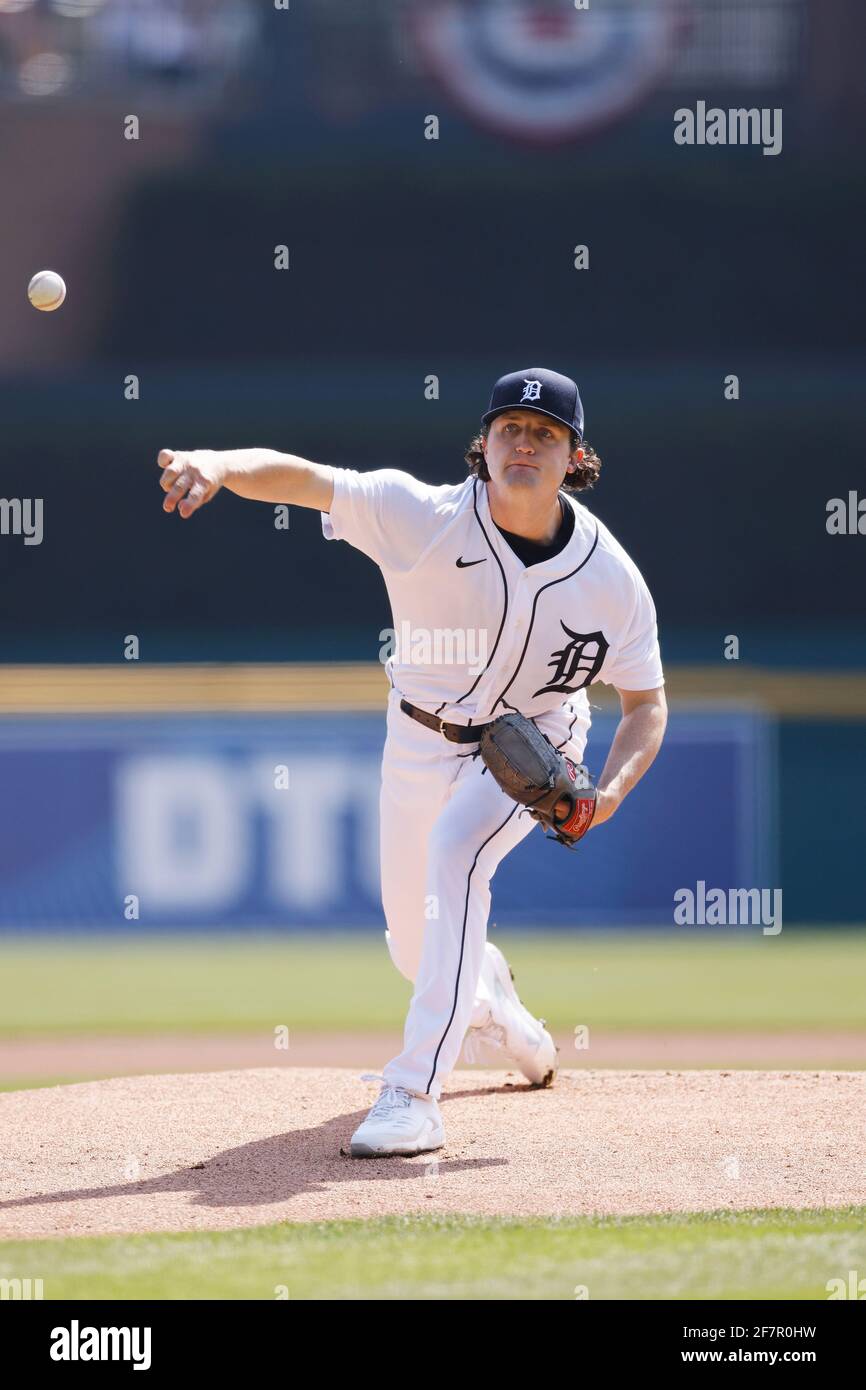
(465,564)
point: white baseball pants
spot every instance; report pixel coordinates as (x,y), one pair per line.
(445,825)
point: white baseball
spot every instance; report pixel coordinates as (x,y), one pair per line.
(46,290)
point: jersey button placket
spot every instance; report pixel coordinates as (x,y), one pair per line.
(523,609)
(521,615)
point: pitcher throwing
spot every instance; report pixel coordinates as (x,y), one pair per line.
(508,598)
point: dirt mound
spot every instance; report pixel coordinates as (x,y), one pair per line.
(243,1148)
(69,1057)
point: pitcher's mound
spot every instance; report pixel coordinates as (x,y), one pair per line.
(244,1148)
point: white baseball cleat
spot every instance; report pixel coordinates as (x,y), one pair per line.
(511,1028)
(399,1123)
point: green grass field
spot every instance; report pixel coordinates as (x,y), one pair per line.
(186,985)
(347,983)
(752,1255)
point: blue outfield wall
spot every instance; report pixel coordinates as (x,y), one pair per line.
(183,813)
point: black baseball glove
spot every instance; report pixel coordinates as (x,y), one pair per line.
(532,772)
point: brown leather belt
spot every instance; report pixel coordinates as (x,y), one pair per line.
(455,733)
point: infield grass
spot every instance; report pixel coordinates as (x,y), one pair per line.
(332,982)
(759,1255)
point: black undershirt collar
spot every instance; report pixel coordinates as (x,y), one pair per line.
(534,552)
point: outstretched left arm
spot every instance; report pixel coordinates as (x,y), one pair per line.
(638,738)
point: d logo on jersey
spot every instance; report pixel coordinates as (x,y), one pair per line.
(582,656)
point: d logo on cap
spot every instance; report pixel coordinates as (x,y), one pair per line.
(539,389)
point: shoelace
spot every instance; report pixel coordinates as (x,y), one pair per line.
(390,1098)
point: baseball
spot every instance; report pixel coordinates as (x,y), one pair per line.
(46,290)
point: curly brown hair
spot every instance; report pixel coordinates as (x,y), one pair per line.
(584,476)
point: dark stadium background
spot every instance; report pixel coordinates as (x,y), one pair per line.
(452,257)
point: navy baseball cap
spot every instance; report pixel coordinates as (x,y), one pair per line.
(541,390)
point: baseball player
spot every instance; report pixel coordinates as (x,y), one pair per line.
(509,599)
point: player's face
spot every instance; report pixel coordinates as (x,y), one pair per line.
(526,449)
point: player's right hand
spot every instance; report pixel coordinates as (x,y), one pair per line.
(190,479)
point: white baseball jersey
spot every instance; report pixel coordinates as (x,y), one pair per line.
(528,637)
(477,633)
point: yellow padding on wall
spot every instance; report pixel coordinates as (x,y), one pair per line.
(134,688)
